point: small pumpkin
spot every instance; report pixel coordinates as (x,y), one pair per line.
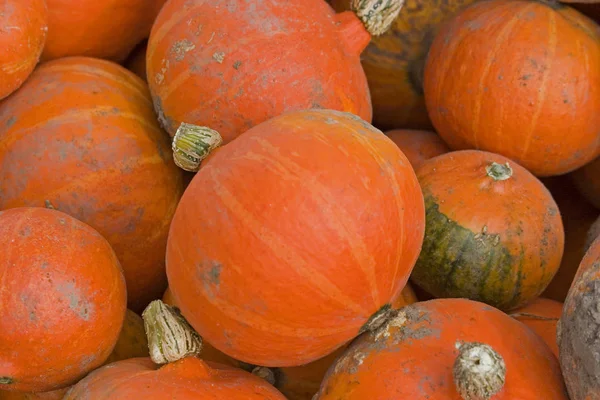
(394,61)
(136,62)
(81,135)
(587,181)
(519,87)
(232,66)
(493,231)
(577,333)
(541,316)
(418,146)
(24,27)
(172,368)
(451,349)
(107,29)
(63,300)
(305,189)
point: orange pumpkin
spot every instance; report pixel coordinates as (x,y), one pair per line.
(577,333)
(81,134)
(136,62)
(541,316)
(413,356)
(493,231)
(418,146)
(587,181)
(57,394)
(63,297)
(519,87)
(107,29)
(393,62)
(24,26)
(287,201)
(232,66)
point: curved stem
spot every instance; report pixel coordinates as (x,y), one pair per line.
(192,144)
(377,15)
(479,371)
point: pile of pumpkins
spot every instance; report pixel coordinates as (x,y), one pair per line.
(197,201)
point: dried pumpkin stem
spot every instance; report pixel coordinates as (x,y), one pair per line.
(265,373)
(382,315)
(192,144)
(6,380)
(499,172)
(377,15)
(48,204)
(170,336)
(479,371)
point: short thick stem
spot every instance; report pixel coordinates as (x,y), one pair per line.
(479,371)
(265,373)
(377,15)
(499,172)
(170,336)
(192,144)
(6,380)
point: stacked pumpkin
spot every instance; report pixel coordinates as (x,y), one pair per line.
(241,171)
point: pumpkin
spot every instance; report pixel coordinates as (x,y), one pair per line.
(577,216)
(296,383)
(81,135)
(393,62)
(541,316)
(234,65)
(577,332)
(316,204)
(587,182)
(63,299)
(519,87)
(449,349)
(24,27)
(107,29)
(418,146)
(493,231)
(136,62)
(57,394)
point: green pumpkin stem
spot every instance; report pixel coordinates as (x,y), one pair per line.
(170,336)
(377,15)
(192,144)
(479,371)
(499,172)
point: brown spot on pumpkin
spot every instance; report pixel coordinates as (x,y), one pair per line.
(237,64)
(77,303)
(11,121)
(26,231)
(526,77)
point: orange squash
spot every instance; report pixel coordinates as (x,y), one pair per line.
(232,66)
(493,231)
(107,29)
(418,146)
(413,356)
(63,299)
(393,62)
(24,26)
(81,134)
(541,316)
(577,333)
(519,87)
(283,198)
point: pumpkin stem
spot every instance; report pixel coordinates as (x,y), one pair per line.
(499,172)
(265,373)
(378,319)
(170,336)
(532,316)
(377,15)
(6,380)
(192,144)
(479,371)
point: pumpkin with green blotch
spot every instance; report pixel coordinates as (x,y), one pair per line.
(493,232)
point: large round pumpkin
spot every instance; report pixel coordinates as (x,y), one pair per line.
(418,146)
(579,347)
(82,135)
(519,87)
(317,205)
(62,303)
(232,66)
(394,61)
(107,29)
(541,316)
(493,231)
(413,356)
(24,26)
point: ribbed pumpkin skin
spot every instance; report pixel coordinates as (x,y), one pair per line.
(62,301)
(414,361)
(495,241)
(315,204)
(549,312)
(107,29)
(22,43)
(579,347)
(233,64)
(187,379)
(82,134)
(519,86)
(393,62)
(418,146)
